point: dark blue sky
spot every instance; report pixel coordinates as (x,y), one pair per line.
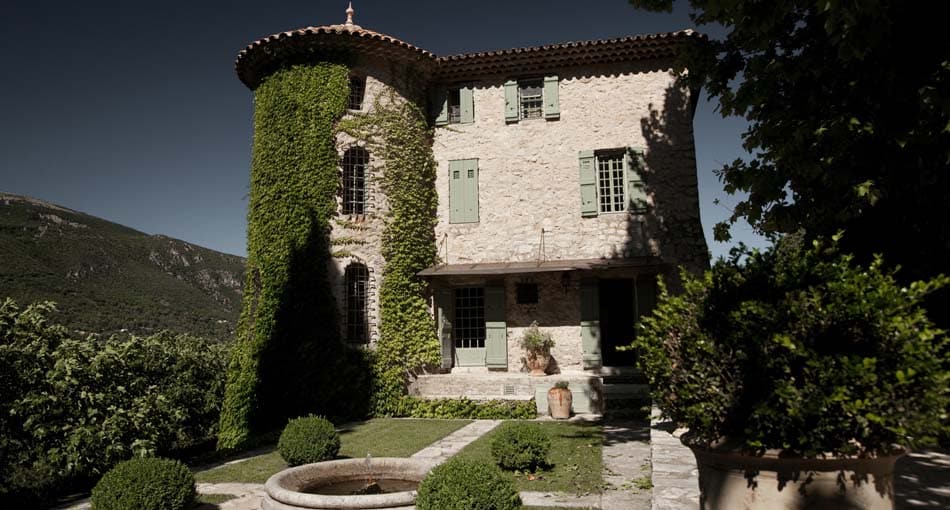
(131,111)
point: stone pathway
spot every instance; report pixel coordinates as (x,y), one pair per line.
(441,450)
(675,477)
(626,456)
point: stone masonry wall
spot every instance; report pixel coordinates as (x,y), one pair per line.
(528,171)
(557,313)
(358,238)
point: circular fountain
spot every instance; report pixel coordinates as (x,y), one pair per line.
(348,483)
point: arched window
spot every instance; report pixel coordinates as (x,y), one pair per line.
(357,298)
(357,89)
(355,160)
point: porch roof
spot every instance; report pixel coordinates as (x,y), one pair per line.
(500,268)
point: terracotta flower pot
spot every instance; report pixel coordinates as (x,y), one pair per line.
(559,403)
(731,480)
(538,363)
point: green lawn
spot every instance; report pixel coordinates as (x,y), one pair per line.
(576,464)
(383,437)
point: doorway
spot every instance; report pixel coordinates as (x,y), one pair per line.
(617,320)
(469,327)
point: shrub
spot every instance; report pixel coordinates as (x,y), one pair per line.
(463,408)
(521,446)
(462,484)
(145,484)
(801,350)
(137,396)
(308,439)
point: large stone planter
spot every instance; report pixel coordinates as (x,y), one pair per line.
(286,490)
(733,481)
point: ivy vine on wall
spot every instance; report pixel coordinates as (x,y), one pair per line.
(289,359)
(396,131)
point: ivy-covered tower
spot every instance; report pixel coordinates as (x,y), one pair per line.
(325,222)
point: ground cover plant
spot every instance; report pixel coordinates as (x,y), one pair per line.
(381,437)
(574,462)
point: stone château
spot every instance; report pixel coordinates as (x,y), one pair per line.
(566,184)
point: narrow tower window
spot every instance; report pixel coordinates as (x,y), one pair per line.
(357,90)
(357,292)
(355,160)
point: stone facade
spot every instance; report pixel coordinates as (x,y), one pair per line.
(528,171)
(614,95)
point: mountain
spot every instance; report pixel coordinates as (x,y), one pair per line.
(107,278)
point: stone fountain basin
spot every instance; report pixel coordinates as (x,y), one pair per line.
(285,490)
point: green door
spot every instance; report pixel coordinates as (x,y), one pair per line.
(468,329)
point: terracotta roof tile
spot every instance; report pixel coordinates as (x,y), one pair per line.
(259,58)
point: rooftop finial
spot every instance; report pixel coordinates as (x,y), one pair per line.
(349,14)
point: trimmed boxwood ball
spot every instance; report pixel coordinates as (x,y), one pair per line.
(145,484)
(462,484)
(521,446)
(308,439)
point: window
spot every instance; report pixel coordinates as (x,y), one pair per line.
(357,90)
(526,293)
(355,160)
(463,191)
(357,293)
(455,106)
(469,328)
(610,182)
(530,99)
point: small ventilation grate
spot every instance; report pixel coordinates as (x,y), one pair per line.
(508,389)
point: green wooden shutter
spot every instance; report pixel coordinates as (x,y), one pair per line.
(511,101)
(467,105)
(442,102)
(445,303)
(590,323)
(588,183)
(496,329)
(636,190)
(463,191)
(552,108)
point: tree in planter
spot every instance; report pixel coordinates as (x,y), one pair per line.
(848,105)
(798,353)
(537,346)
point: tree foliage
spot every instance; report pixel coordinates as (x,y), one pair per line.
(71,408)
(849,111)
(802,350)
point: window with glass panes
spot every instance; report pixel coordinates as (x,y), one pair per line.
(357,299)
(469,328)
(530,97)
(357,90)
(610,182)
(355,160)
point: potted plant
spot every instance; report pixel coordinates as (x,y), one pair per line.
(802,376)
(560,401)
(537,346)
